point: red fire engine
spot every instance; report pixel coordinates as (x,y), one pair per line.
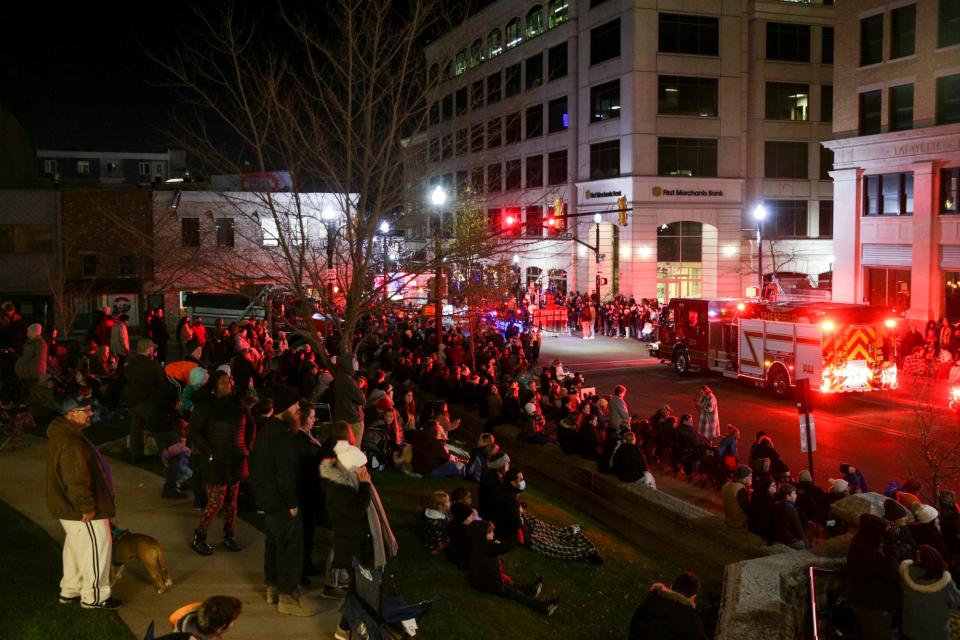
(839,347)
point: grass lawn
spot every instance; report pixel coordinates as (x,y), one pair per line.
(29,609)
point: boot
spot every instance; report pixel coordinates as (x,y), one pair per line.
(231,544)
(273,596)
(291,605)
(200,545)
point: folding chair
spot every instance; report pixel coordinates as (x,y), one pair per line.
(374,617)
(14,418)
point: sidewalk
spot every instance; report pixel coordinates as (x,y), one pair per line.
(141,510)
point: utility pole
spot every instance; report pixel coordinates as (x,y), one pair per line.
(596,254)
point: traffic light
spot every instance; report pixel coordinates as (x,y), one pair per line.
(510,222)
(603,282)
(622,210)
(559,208)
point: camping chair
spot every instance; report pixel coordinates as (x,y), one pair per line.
(372,616)
(14,418)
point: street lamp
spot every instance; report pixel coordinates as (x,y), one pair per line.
(596,254)
(438,197)
(759,213)
(384,230)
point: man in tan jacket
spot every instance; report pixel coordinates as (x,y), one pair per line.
(80,495)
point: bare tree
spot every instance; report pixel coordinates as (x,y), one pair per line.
(933,454)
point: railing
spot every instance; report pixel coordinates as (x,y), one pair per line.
(814,613)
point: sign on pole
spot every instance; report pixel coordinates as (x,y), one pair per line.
(807,437)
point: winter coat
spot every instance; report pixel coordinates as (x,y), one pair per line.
(760,515)
(120,339)
(144,376)
(708,423)
(347,510)
(665,615)
(736,504)
(32,363)
(274,468)
(618,412)
(505,513)
(871,567)
(925,603)
(484,571)
(222,431)
(428,454)
(347,399)
(76,479)
(628,463)
(436,529)
(788,529)
(927,533)
(489,481)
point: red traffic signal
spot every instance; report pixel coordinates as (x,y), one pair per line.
(603,282)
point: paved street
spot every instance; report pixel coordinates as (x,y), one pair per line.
(875,431)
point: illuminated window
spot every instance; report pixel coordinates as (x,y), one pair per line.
(535,21)
(494,44)
(558,13)
(514,33)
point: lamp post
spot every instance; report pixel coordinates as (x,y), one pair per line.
(384,230)
(516,265)
(596,254)
(759,213)
(438,197)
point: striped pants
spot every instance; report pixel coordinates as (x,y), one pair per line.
(87,551)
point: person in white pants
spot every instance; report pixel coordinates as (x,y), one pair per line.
(80,496)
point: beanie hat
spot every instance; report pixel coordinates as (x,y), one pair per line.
(284,398)
(34,330)
(845,468)
(498,461)
(742,472)
(805,476)
(192,345)
(530,408)
(384,403)
(349,456)
(893,510)
(839,485)
(375,395)
(912,486)
(225,368)
(925,513)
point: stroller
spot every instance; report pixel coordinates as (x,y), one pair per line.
(371,615)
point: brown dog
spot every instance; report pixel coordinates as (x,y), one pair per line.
(136,546)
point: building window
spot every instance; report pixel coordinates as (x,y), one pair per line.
(949,190)
(512,128)
(476,53)
(126,266)
(476,179)
(461,142)
(460,62)
(557,62)
(558,12)
(494,138)
(83,167)
(224,232)
(190,232)
(782,159)
(49,167)
(512,80)
(476,94)
(534,171)
(514,33)
(143,169)
(788,219)
(476,137)
(26,238)
(493,88)
(787,101)
(434,119)
(460,182)
(948,99)
(826,103)
(446,109)
(686,96)
(534,21)
(435,150)
(88,265)
(534,71)
(826,45)
(446,148)
(557,117)
(888,288)
(494,178)
(534,121)
(698,35)
(871,40)
(890,194)
(826,163)
(825,219)
(605,101)
(270,236)
(788,41)
(534,225)
(557,168)
(494,44)
(948,23)
(870,112)
(605,160)
(512,175)
(605,42)
(461,101)
(686,156)
(901,107)
(557,279)
(903,31)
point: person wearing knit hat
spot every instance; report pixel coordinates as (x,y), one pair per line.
(926,530)
(742,472)
(497,466)
(924,513)
(839,486)
(811,499)
(736,497)
(804,476)
(893,511)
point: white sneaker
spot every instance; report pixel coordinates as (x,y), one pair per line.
(341,634)
(576,529)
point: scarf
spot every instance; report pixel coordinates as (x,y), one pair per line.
(384,542)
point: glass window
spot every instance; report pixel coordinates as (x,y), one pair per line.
(787,101)
(951,295)
(783,159)
(890,194)
(605,101)
(870,112)
(949,190)
(687,156)
(224,232)
(871,195)
(435,150)
(83,167)
(446,110)
(948,23)
(534,21)
(826,45)
(512,80)
(476,53)
(826,163)
(901,107)
(871,40)
(558,12)
(190,232)
(903,31)
(699,35)
(557,167)
(605,42)
(888,288)
(826,219)
(948,99)
(512,128)
(26,238)
(476,137)
(460,62)
(494,136)
(476,179)
(534,229)
(512,175)
(461,142)
(434,116)
(686,96)
(494,44)
(514,33)
(476,94)
(558,119)
(534,171)
(446,147)
(494,178)
(460,182)
(534,71)
(493,88)
(788,219)
(605,160)
(534,121)
(788,41)
(88,266)
(826,103)
(461,101)
(557,62)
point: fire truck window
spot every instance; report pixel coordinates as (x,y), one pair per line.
(692,317)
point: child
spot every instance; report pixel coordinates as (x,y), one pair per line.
(436,522)
(486,447)
(176,457)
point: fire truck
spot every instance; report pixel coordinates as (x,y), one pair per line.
(838,347)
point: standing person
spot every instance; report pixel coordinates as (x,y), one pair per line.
(32,363)
(120,340)
(219,429)
(928,592)
(872,573)
(619,413)
(144,378)
(709,420)
(669,613)
(160,333)
(348,399)
(80,495)
(586,321)
(275,478)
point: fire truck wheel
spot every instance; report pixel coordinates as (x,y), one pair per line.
(681,361)
(779,382)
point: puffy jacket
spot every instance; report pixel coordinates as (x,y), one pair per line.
(274,467)
(666,615)
(222,431)
(871,567)
(76,481)
(484,571)
(144,376)
(925,603)
(32,363)
(347,510)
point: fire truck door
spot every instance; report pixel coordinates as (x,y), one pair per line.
(751,348)
(809,361)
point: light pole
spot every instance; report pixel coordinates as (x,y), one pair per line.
(516,265)
(438,197)
(759,213)
(596,253)
(384,230)
(329,215)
